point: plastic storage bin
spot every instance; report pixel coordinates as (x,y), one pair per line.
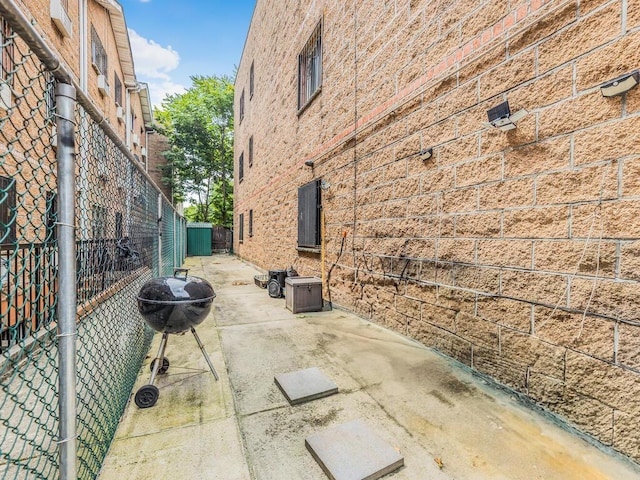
(303,294)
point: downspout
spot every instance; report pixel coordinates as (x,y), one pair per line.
(146,146)
(83,178)
(127,116)
(84,48)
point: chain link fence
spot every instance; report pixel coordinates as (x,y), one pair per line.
(118,248)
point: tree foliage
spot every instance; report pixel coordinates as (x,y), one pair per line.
(199,125)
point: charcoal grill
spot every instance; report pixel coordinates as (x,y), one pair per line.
(172,305)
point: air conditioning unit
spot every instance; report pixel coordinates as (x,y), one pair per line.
(143,152)
(120,113)
(60,18)
(54,136)
(6,97)
(103,85)
(135,138)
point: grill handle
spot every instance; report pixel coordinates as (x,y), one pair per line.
(176,271)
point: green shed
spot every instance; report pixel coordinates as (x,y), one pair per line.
(199,239)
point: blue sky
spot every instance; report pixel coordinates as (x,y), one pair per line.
(174,40)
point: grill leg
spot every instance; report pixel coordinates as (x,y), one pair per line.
(204,352)
(158,362)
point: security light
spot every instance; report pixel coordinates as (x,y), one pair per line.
(500,117)
(426,154)
(309,163)
(620,85)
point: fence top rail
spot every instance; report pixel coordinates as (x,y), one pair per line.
(23,27)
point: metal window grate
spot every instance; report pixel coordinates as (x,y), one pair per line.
(310,68)
(98,53)
(8,52)
(7,210)
(117,87)
(251,81)
(309,204)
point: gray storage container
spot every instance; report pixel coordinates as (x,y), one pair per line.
(303,294)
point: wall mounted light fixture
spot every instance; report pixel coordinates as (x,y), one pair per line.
(324,185)
(309,163)
(620,85)
(425,154)
(500,117)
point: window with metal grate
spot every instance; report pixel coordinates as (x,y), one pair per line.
(309,205)
(310,68)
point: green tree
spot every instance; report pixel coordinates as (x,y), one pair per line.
(199,125)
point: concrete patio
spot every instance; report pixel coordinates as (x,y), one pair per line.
(447,423)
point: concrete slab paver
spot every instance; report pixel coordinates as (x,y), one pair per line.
(353,451)
(305,385)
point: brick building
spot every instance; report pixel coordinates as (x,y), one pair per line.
(90,39)
(365,155)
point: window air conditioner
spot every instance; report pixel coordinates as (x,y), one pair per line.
(143,152)
(135,138)
(60,18)
(5,96)
(103,85)
(54,136)
(120,113)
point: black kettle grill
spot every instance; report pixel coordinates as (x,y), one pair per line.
(172,305)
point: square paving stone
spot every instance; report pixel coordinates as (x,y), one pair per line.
(305,385)
(353,451)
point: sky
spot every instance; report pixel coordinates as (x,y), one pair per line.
(174,40)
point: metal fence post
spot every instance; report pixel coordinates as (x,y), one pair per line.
(67,331)
(160,220)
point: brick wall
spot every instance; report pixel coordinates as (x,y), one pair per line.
(157,145)
(514,252)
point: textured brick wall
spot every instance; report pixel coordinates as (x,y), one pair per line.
(514,252)
(158,144)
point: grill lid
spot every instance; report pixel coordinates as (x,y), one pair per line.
(176,290)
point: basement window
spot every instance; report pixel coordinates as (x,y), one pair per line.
(250,223)
(310,69)
(309,207)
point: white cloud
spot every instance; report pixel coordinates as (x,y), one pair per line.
(152,59)
(159,89)
(154,63)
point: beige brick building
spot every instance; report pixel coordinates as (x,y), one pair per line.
(364,156)
(90,40)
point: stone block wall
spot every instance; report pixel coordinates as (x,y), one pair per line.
(514,252)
